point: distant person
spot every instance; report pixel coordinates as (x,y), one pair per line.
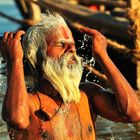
(62,108)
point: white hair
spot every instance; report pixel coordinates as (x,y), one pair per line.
(64,78)
(34,40)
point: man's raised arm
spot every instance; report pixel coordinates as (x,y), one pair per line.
(15,107)
(127,101)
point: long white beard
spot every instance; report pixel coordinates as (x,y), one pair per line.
(64,77)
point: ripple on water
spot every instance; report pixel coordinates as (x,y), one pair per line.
(108,130)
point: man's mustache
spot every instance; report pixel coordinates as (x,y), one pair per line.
(69,56)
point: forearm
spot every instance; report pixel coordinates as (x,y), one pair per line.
(127,100)
(16,104)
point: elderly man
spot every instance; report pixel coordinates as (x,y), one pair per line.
(60,110)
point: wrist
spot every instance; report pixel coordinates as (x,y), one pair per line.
(100,56)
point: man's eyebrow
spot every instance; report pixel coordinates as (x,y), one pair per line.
(63,41)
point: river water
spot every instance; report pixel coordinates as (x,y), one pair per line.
(106,130)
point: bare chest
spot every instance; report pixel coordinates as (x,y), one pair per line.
(71,122)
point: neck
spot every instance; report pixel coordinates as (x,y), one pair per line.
(47,88)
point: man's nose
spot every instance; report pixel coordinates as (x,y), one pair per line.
(70,48)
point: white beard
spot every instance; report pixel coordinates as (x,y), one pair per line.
(64,77)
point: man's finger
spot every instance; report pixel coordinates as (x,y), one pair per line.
(89,31)
(11,35)
(5,36)
(19,34)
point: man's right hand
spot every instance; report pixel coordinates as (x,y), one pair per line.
(11,45)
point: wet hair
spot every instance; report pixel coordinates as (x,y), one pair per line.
(34,43)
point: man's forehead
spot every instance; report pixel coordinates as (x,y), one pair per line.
(62,33)
(65,31)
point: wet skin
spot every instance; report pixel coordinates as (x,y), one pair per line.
(23,113)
